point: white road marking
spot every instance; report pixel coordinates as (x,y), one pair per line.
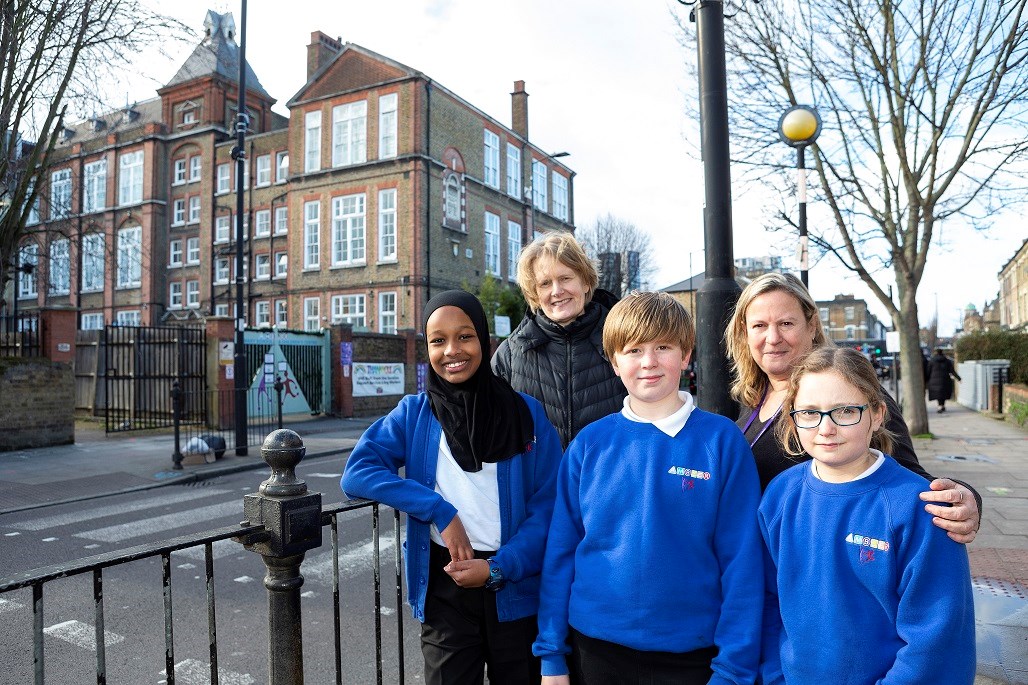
(353,559)
(9,605)
(10,535)
(196,672)
(337,476)
(186,566)
(101,512)
(308,594)
(50,539)
(159,524)
(243,579)
(91,545)
(219,549)
(81,634)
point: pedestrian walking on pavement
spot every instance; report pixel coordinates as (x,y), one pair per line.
(480,463)
(940,378)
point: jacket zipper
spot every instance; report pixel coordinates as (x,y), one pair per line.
(569,398)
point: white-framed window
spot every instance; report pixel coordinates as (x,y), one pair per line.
(312,314)
(60,267)
(175,295)
(513,248)
(387,225)
(179,175)
(514,171)
(60,194)
(850,313)
(28,256)
(224,178)
(221,270)
(491,159)
(492,244)
(178,212)
(387,312)
(281,264)
(312,142)
(222,228)
(262,223)
(560,196)
(349,309)
(387,126)
(350,133)
(452,211)
(281,220)
(195,168)
(94,197)
(221,310)
(92,321)
(93,257)
(825,315)
(262,267)
(281,166)
(130,257)
(262,313)
(189,117)
(130,178)
(175,253)
(539,186)
(348,229)
(194,209)
(192,251)
(851,332)
(193,294)
(33,217)
(312,235)
(127,317)
(264,170)
(281,313)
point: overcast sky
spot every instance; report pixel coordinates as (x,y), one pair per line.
(608,83)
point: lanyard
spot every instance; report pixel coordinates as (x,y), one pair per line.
(753,417)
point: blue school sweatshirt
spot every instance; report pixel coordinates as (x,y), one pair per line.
(868,589)
(654,544)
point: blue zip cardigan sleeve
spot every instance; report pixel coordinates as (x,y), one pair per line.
(408,437)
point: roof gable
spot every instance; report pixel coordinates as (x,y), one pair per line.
(217,54)
(352,69)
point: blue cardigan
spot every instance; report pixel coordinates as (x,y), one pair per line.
(408,437)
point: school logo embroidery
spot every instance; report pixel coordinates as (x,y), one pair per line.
(689,476)
(868,546)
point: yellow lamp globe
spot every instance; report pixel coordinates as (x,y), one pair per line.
(799,125)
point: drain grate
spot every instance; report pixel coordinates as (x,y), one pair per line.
(965,458)
(1000,588)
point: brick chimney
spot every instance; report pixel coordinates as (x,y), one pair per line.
(320,51)
(519,109)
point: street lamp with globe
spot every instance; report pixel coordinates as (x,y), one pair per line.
(799,127)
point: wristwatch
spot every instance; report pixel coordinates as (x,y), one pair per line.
(496,579)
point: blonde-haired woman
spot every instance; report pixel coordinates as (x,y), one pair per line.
(556,353)
(774,326)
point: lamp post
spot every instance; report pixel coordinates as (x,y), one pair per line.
(799,127)
(239,155)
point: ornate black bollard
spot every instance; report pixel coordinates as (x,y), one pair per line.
(291,520)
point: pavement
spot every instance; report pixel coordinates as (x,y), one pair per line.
(990,454)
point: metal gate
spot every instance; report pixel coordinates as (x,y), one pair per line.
(140,364)
(299,359)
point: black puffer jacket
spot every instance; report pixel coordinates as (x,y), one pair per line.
(564,368)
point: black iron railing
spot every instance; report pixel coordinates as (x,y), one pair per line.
(21,335)
(277,544)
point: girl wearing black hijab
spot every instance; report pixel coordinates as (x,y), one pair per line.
(480,463)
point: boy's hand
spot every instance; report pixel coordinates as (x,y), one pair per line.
(556,680)
(961,519)
(456,539)
(471,573)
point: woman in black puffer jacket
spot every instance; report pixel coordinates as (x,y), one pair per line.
(556,353)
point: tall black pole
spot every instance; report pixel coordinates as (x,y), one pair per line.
(720,291)
(240,155)
(801,180)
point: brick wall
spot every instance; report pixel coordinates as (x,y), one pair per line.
(37,405)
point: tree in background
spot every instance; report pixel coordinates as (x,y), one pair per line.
(54,55)
(619,273)
(497,298)
(923,108)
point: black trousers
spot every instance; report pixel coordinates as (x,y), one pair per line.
(598,662)
(462,635)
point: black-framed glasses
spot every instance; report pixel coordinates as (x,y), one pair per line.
(846,415)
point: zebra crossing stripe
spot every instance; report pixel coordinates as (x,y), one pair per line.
(219,549)
(353,559)
(81,634)
(9,605)
(101,512)
(196,672)
(160,524)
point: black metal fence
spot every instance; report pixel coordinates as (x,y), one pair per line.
(202,415)
(21,335)
(37,580)
(140,365)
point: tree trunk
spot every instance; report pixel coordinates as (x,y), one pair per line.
(911,365)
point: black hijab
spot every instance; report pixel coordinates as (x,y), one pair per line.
(483,418)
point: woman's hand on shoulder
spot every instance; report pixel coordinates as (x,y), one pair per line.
(961,518)
(470,573)
(456,539)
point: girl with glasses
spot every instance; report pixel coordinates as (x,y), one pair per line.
(862,588)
